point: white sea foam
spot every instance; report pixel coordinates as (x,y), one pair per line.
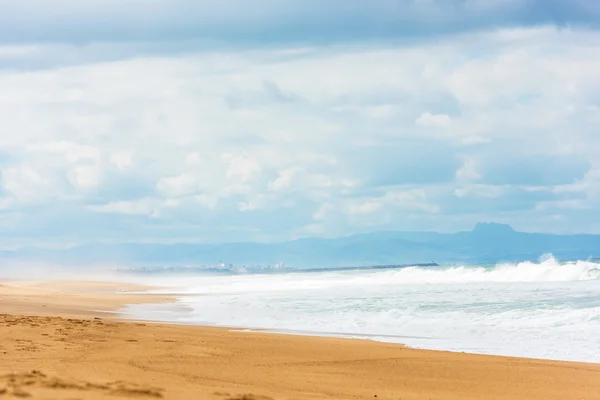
(543,310)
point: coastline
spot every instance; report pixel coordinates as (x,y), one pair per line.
(71,334)
(75,299)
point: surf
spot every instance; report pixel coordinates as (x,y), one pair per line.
(545,309)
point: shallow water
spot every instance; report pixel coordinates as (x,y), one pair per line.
(541,310)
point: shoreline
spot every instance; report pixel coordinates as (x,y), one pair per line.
(83,299)
(77,353)
(378,338)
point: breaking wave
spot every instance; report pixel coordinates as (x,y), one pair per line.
(545,309)
(547,270)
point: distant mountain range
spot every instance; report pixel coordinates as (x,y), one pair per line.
(486,243)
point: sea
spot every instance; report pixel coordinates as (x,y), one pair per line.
(546,309)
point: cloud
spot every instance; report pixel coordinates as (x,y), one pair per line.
(532,170)
(496,199)
(289,140)
(137,207)
(403,162)
(434,120)
(274,21)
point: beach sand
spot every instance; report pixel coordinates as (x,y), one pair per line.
(60,341)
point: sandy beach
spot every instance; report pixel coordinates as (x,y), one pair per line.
(61,340)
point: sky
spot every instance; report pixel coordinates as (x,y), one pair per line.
(217,121)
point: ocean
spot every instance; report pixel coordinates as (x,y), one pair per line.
(546,309)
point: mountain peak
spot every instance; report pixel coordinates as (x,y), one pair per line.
(492,228)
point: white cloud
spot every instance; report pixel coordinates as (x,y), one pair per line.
(193,158)
(24,182)
(322,212)
(72,152)
(210,202)
(437,120)
(122,159)
(180,185)
(285,179)
(234,137)
(68,21)
(367,207)
(84,176)
(17,52)
(146,207)
(241,168)
(468,172)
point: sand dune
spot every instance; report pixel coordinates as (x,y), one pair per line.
(51,357)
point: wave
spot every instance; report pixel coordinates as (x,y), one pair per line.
(546,270)
(553,313)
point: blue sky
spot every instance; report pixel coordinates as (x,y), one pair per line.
(182,120)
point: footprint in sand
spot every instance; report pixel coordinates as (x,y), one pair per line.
(38,385)
(249,396)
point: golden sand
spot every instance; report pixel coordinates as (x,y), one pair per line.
(59,341)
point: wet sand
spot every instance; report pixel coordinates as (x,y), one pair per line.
(62,341)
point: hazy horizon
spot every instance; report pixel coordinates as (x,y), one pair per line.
(474,228)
